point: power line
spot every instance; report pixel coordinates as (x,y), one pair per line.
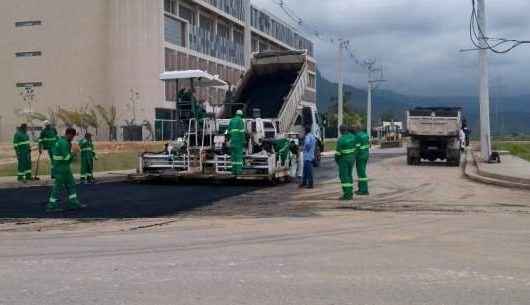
(483,42)
(310,29)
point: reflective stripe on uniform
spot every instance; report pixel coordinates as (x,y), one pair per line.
(347,185)
(61,158)
(365,147)
(53,200)
(237,163)
(236,130)
(86,149)
(363,179)
(21,143)
(73,196)
(47,139)
(347,151)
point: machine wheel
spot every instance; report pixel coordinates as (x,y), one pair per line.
(410,160)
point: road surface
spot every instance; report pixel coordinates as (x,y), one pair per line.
(425,236)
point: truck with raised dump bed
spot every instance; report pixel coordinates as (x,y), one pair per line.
(272,95)
(434,134)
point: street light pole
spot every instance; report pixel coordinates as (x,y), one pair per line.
(485,128)
(340,98)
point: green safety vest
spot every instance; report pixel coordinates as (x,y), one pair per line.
(87,149)
(346,147)
(21,142)
(47,138)
(236,131)
(62,154)
(363,145)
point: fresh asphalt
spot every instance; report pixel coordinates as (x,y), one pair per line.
(127,200)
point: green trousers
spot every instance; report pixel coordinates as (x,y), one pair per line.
(52,173)
(361,174)
(24,165)
(346,176)
(236,156)
(64,180)
(87,168)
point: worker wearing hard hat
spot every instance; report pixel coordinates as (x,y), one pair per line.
(88,155)
(345,158)
(236,133)
(47,139)
(64,179)
(22,147)
(362,156)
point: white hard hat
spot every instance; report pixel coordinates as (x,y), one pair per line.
(239,112)
(46,122)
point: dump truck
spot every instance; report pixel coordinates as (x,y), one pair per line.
(272,95)
(434,134)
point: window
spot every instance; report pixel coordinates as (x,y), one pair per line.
(30,84)
(239,37)
(170,6)
(223,30)
(174,31)
(28,54)
(187,13)
(19,24)
(206,23)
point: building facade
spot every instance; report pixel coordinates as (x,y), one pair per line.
(76,54)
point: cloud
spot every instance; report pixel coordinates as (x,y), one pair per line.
(417,41)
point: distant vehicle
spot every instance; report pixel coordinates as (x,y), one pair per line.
(434,134)
(390,134)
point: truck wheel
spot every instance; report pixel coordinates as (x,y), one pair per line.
(410,160)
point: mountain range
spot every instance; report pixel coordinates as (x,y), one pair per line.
(509,115)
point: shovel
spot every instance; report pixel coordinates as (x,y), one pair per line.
(36,176)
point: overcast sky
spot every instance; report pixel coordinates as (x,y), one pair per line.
(418,42)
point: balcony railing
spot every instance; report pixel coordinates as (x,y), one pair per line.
(208,43)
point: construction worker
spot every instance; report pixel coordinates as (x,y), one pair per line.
(88,155)
(47,139)
(62,158)
(362,156)
(22,147)
(345,158)
(281,147)
(236,133)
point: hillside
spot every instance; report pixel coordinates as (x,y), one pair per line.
(508,114)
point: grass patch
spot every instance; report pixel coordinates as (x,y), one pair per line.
(330,144)
(521,150)
(106,162)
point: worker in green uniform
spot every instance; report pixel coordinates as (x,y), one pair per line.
(47,139)
(22,147)
(345,158)
(64,179)
(236,133)
(362,156)
(88,155)
(281,147)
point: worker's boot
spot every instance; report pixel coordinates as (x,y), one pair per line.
(52,206)
(73,203)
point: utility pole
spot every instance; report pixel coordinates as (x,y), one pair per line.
(340,80)
(485,128)
(372,85)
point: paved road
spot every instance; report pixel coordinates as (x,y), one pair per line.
(435,238)
(125,200)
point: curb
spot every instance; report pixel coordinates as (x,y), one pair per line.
(477,177)
(109,178)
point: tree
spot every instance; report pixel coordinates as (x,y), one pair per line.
(109,116)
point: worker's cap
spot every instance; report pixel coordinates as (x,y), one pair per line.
(46,123)
(239,112)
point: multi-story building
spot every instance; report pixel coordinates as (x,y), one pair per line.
(78,53)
